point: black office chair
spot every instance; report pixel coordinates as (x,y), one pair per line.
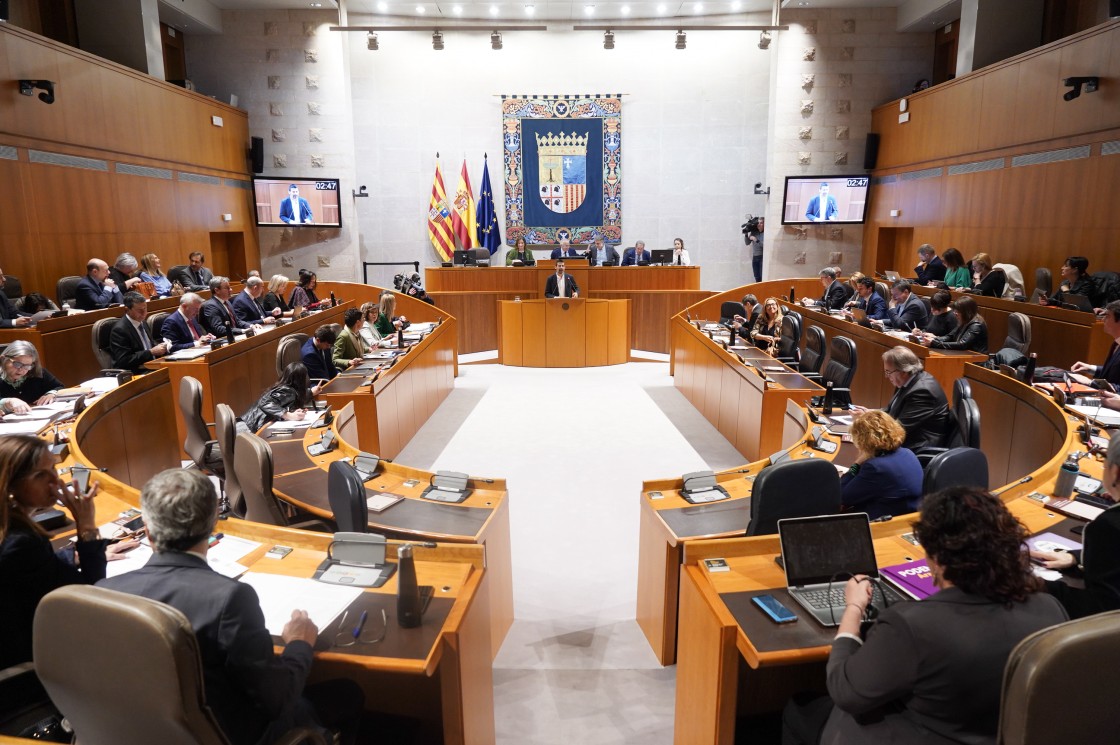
(347,496)
(965,433)
(961,389)
(789,342)
(289,350)
(67,290)
(13,288)
(155,325)
(926,302)
(795,488)
(180,273)
(841,369)
(730,309)
(812,359)
(882,291)
(101,330)
(956,467)
(1018,333)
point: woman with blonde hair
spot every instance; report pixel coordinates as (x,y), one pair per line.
(386,324)
(150,272)
(886,478)
(274,297)
(768,326)
(989,280)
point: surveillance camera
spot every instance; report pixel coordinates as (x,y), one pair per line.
(362,188)
(1090,83)
(758,184)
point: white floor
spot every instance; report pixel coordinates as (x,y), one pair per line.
(574,447)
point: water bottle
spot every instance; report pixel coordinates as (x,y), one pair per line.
(1067,477)
(1028,376)
(408,591)
(229,332)
(334,302)
(400,338)
(792,297)
(827,407)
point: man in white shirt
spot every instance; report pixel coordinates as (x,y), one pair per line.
(560,284)
(295,210)
(130,342)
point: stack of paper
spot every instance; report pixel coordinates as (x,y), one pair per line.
(281,595)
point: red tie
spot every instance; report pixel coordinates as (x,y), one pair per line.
(194,329)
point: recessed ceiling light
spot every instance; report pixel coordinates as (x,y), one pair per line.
(661,9)
(420,9)
(382,6)
(457,10)
(736,6)
(493,10)
(588,9)
(316,5)
(530,10)
(625,10)
(698,8)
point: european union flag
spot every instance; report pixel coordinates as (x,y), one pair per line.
(489,234)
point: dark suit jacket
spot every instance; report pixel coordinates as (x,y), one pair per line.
(552,287)
(246,308)
(593,256)
(921,408)
(189,281)
(874,306)
(972,336)
(572,253)
(317,361)
(1100,566)
(930,672)
(215,318)
(1110,370)
(993,284)
(247,685)
(812,211)
(176,333)
(888,484)
(119,277)
(8,312)
(287,214)
(630,257)
(934,271)
(834,296)
(127,348)
(910,314)
(91,295)
(29,569)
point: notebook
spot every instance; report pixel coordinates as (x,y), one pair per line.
(820,554)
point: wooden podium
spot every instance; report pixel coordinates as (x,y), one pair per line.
(563,332)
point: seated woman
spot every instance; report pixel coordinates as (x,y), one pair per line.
(287,401)
(931,671)
(520,252)
(386,324)
(971,332)
(368,331)
(1083,372)
(150,272)
(36,302)
(680,253)
(886,478)
(957,276)
(23,381)
(349,346)
(1097,563)
(990,282)
(1075,281)
(767,327)
(942,320)
(303,294)
(29,566)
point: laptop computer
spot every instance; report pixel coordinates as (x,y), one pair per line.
(820,554)
(859,314)
(1078,301)
(893,276)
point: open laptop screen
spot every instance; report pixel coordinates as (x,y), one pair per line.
(814,549)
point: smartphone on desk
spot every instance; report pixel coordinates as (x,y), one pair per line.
(773,608)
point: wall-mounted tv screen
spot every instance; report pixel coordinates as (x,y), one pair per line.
(810,199)
(297,202)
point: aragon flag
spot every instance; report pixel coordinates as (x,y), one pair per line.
(439,218)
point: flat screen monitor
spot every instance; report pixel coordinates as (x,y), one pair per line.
(462,257)
(297,202)
(832,199)
(661,256)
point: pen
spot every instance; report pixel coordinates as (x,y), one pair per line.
(361,624)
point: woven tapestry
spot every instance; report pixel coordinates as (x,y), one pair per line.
(563,172)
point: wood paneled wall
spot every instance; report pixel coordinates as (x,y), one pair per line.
(1030,215)
(57,216)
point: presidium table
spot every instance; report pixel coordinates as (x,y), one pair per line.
(563,332)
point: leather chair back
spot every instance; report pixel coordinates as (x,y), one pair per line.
(198,444)
(928,303)
(162,700)
(225,430)
(102,327)
(841,367)
(967,414)
(1075,663)
(346,424)
(252,459)
(728,310)
(789,343)
(347,496)
(481,254)
(795,488)
(755,312)
(67,290)
(1043,281)
(155,325)
(813,357)
(962,466)
(288,351)
(961,389)
(882,291)
(13,288)
(180,273)
(1018,333)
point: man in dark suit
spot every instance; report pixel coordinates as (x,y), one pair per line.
(295,205)
(130,344)
(218,316)
(834,295)
(316,354)
(560,284)
(1084,372)
(602,255)
(255,694)
(9,317)
(180,329)
(247,304)
(96,290)
(123,272)
(868,300)
(564,251)
(907,310)
(194,277)
(822,207)
(631,256)
(930,267)
(918,402)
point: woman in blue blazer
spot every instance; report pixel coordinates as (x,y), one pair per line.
(886,478)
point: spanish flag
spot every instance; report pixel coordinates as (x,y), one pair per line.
(439,218)
(462,219)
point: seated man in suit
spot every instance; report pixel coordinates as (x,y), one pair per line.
(9,316)
(564,250)
(918,402)
(930,267)
(255,694)
(124,272)
(907,311)
(295,210)
(218,316)
(130,344)
(247,304)
(181,329)
(96,290)
(560,284)
(868,301)
(194,277)
(602,255)
(631,256)
(316,354)
(834,295)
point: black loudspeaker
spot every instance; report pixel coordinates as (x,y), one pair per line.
(871,153)
(4,12)
(1113,9)
(256,154)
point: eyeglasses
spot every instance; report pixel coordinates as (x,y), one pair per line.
(21,365)
(348,637)
(888,373)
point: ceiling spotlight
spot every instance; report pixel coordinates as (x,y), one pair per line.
(495,40)
(625,10)
(316,5)
(736,6)
(588,9)
(382,6)
(680,39)
(493,10)
(420,9)
(457,10)
(371,41)
(608,39)
(698,7)
(764,40)
(530,10)
(661,9)
(437,41)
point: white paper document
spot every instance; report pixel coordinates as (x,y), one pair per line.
(281,595)
(100,385)
(1107,417)
(27,427)
(190,353)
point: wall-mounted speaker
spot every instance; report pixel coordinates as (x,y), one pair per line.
(256,154)
(1114,9)
(4,10)
(871,153)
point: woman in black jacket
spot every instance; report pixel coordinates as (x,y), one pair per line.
(23,381)
(942,320)
(288,400)
(992,282)
(971,333)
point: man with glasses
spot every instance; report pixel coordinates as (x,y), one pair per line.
(918,402)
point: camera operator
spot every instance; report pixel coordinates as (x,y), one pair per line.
(410,285)
(753,229)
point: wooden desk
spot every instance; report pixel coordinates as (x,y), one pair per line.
(563,332)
